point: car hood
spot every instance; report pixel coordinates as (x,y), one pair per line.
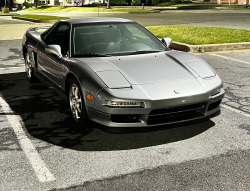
(124,71)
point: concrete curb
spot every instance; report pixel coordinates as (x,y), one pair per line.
(155,11)
(197,8)
(34,20)
(210,47)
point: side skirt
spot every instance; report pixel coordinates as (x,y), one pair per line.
(50,85)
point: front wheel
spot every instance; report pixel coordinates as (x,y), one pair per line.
(28,69)
(76,103)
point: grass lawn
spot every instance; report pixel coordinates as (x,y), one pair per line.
(200,35)
(43,17)
(9,14)
(87,9)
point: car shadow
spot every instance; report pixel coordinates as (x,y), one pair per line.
(47,117)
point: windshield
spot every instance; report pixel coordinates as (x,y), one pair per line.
(113,39)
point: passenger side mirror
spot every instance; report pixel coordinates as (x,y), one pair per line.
(54,49)
(167,41)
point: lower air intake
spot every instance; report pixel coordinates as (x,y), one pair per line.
(176,114)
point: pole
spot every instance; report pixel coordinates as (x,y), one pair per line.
(142,6)
(108,4)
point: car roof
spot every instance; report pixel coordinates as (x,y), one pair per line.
(96,19)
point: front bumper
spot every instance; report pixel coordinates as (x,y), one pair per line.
(156,116)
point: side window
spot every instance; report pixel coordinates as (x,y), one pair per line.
(60,36)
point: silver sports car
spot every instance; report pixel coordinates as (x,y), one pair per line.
(115,72)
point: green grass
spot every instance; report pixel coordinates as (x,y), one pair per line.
(43,17)
(165,4)
(1,13)
(200,35)
(87,9)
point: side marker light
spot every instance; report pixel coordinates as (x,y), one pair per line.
(90,97)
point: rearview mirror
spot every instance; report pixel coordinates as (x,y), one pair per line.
(167,41)
(54,49)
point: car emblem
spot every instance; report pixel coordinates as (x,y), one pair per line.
(177,91)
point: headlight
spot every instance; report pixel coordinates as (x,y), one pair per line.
(124,104)
(216,91)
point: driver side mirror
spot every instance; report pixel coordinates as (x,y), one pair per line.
(167,41)
(54,49)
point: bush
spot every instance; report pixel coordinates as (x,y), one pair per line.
(136,2)
(40,4)
(117,2)
(156,2)
(176,1)
(27,5)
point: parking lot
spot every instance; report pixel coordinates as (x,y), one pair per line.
(41,149)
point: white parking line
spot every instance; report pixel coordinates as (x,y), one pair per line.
(42,172)
(11,68)
(235,110)
(230,58)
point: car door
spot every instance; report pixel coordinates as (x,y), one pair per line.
(50,65)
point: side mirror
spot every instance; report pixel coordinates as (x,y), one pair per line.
(167,41)
(54,49)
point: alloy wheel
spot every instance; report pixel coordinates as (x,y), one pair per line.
(75,101)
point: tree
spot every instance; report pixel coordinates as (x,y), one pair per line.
(247,2)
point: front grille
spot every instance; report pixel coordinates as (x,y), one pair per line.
(175,114)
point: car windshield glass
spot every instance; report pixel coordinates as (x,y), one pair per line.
(114,39)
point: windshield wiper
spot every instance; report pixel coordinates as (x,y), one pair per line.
(142,52)
(91,55)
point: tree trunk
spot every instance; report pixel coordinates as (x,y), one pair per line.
(247,2)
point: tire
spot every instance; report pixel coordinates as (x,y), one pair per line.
(77,104)
(28,69)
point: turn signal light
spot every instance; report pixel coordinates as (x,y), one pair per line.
(90,97)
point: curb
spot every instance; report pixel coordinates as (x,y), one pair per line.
(34,20)
(198,8)
(155,11)
(210,47)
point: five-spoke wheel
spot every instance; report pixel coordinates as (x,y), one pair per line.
(76,103)
(29,69)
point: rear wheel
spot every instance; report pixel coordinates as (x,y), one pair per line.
(28,69)
(76,103)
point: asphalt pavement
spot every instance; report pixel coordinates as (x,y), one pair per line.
(41,150)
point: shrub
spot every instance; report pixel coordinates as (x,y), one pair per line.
(117,2)
(26,4)
(176,1)
(136,2)
(155,2)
